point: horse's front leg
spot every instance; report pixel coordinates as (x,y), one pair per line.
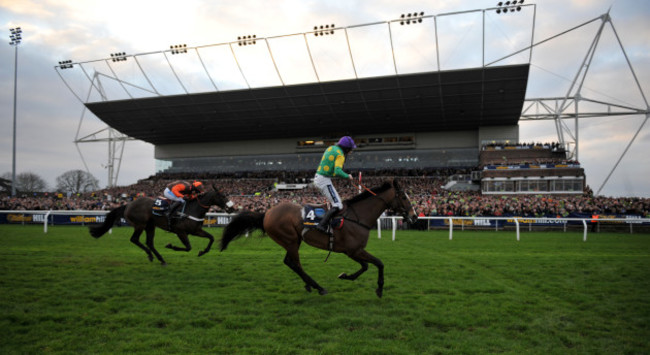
(364,268)
(203,234)
(363,257)
(182,236)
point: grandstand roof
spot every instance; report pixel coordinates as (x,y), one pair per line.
(421,102)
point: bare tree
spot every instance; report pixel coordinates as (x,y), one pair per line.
(76,181)
(5,184)
(28,182)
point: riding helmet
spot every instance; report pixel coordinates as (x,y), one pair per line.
(346,142)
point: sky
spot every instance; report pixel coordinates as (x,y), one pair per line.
(49,116)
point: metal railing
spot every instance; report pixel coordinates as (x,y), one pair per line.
(83,217)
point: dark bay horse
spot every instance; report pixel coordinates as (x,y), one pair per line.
(139,215)
(284,224)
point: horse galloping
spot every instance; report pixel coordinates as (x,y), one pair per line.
(284,224)
(140,215)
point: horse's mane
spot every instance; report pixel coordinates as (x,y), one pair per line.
(364,195)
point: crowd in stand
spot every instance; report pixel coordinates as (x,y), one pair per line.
(554,146)
(513,162)
(256,191)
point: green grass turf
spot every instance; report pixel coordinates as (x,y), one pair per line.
(482,292)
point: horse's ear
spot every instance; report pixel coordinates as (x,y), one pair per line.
(214,188)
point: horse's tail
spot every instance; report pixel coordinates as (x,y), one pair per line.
(242,223)
(111,218)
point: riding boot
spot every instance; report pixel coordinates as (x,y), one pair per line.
(170,213)
(322,226)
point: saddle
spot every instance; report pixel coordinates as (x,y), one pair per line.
(312,214)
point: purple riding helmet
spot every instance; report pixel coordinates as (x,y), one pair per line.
(346,142)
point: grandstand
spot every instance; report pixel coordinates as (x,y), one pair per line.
(529,168)
(433,118)
(186,102)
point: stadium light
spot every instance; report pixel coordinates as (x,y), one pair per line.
(512,6)
(65,64)
(178,48)
(16,37)
(413,18)
(247,40)
(118,57)
(324,30)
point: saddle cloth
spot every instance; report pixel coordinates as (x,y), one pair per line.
(160,206)
(313,214)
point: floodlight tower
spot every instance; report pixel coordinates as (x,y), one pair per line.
(16,37)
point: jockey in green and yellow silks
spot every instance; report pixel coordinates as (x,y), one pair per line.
(331,166)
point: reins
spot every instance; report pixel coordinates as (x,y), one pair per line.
(198,200)
(367,189)
(397,191)
(355,212)
(373,193)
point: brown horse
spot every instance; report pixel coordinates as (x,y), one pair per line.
(284,224)
(139,214)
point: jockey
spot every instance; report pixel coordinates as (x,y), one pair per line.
(179,192)
(331,166)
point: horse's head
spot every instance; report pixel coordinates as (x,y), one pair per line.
(221,200)
(402,204)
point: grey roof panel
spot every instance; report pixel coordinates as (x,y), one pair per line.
(435,101)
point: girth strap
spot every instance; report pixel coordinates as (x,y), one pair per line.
(359,223)
(330,247)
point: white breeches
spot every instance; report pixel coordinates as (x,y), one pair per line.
(324,184)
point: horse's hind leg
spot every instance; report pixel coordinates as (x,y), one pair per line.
(151,229)
(135,239)
(292,260)
(363,257)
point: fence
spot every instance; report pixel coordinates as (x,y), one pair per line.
(501,223)
(82,217)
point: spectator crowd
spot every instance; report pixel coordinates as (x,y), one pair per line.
(257,191)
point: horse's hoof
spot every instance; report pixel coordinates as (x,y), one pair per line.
(168,246)
(322,292)
(343,276)
(150,257)
(201,253)
(379,293)
(308,288)
(163,263)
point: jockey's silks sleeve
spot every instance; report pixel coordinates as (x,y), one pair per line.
(332,163)
(179,190)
